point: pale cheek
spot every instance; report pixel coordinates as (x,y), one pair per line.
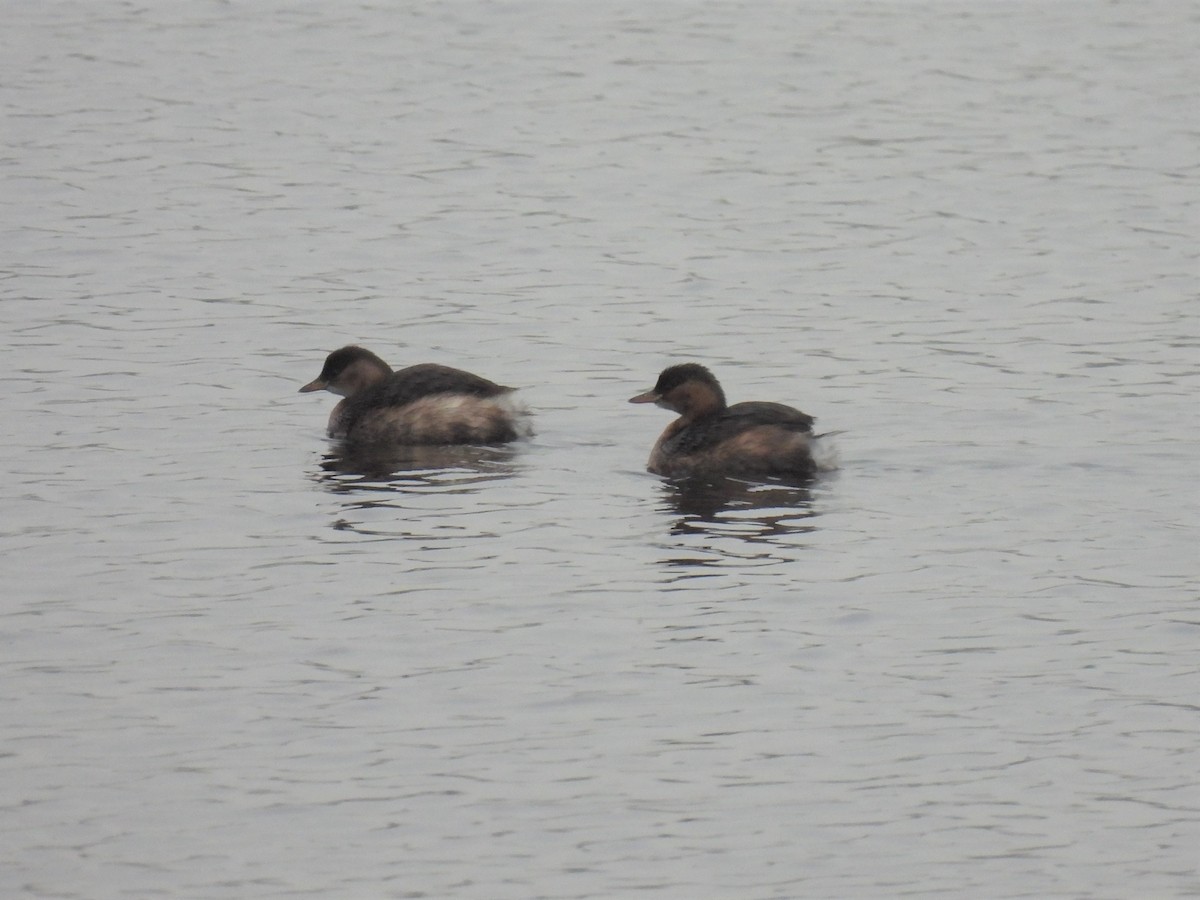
(335,426)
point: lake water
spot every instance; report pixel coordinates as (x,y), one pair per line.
(963,665)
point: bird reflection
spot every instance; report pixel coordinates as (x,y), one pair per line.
(454,467)
(766,519)
(772,507)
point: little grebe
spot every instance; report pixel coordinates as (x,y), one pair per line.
(422,404)
(711,438)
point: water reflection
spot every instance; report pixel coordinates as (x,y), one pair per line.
(390,469)
(762,509)
(417,493)
(766,520)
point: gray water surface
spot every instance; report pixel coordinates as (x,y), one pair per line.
(962,234)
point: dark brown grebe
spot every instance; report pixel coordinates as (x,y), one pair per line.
(422,404)
(713,438)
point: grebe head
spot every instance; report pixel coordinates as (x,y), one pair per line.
(688,389)
(348,371)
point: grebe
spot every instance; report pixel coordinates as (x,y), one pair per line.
(421,404)
(713,438)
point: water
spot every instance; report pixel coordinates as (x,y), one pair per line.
(963,665)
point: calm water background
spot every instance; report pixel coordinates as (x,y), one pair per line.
(964,665)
